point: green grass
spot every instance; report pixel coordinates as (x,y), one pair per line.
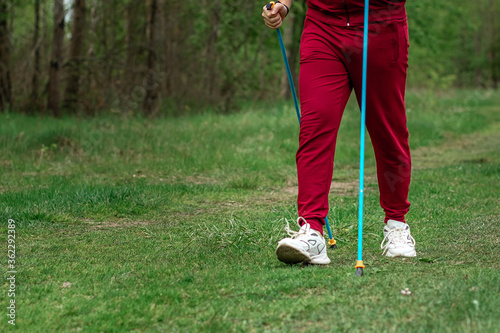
(171,224)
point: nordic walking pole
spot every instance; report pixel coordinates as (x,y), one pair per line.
(359,265)
(332,242)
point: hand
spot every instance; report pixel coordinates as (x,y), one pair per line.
(274,17)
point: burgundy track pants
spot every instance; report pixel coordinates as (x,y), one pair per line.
(330,67)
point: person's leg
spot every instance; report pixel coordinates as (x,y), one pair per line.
(324,91)
(386,123)
(385,112)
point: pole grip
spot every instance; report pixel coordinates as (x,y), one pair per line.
(270,5)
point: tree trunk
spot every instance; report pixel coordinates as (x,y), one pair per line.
(5,83)
(160,37)
(56,58)
(106,39)
(293,28)
(34,105)
(285,91)
(493,45)
(478,46)
(90,100)
(150,103)
(172,31)
(299,17)
(211,52)
(75,57)
(129,40)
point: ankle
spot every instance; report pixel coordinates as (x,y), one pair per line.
(399,219)
(316,225)
(392,224)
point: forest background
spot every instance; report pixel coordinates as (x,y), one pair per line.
(175,57)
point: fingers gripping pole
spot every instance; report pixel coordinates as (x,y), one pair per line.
(359,265)
(332,242)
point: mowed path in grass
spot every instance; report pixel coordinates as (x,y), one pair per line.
(130,224)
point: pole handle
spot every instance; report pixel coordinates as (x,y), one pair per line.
(270,5)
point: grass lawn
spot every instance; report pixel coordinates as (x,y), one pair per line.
(170,225)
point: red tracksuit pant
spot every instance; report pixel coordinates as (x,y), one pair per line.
(330,67)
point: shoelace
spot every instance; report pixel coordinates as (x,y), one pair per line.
(398,235)
(294,234)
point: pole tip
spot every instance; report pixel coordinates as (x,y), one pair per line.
(359,268)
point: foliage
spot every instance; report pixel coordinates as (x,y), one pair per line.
(453,44)
(219,53)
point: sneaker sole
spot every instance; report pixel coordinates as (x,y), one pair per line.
(320,260)
(291,255)
(405,255)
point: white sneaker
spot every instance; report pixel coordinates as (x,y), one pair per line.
(306,246)
(398,240)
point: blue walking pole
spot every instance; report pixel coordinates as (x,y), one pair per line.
(332,242)
(359,265)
